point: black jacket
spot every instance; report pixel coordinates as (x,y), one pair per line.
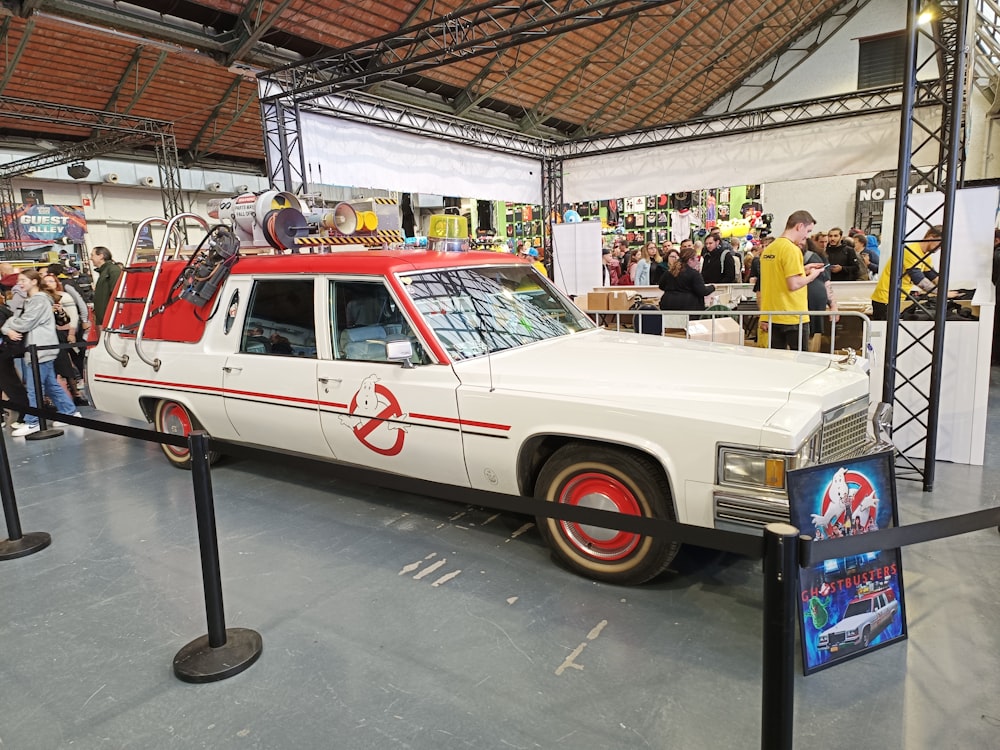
(843,255)
(686,291)
(719,266)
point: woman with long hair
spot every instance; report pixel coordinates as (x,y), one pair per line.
(37,326)
(643,266)
(683,286)
(63,301)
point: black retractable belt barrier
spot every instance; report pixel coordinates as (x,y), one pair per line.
(223,652)
(778,675)
(44,432)
(16,544)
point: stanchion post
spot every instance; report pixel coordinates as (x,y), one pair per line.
(44,433)
(223,652)
(16,544)
(781,545)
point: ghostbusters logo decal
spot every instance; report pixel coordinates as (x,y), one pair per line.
(375,418)
(850,506)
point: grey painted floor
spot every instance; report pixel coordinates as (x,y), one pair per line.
(397,621)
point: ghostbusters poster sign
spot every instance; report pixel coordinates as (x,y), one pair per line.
(847,606)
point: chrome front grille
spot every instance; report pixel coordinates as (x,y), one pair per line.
(844,432)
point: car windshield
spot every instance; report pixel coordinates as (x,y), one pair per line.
(862,607)
(480,310)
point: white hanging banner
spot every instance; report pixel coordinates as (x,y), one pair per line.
(341,152)
(864,144)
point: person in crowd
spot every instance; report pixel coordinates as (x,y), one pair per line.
(783,281)
(107,278)
(67,333)
(659,263)
(821,239)
(10,378)
(72,288)
(643,266)
(747,263)
(871,247)
(611,268)
(633,265)
(537,262)
(918,276)
(861,247)
(844,263)
(37,326)
(819,292)
(683,286)
(689,243)
(718,263)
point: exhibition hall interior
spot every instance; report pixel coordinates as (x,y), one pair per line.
(603,374)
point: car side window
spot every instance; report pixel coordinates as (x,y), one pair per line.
(280,319)
(364,317)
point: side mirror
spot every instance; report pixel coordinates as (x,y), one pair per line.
(400,350)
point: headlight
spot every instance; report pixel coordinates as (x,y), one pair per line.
(752,469)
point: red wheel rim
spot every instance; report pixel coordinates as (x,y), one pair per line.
(604,492)
(175,420)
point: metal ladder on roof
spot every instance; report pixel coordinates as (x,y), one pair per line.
(119,302)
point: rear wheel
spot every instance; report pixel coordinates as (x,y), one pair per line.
(607,478)
(175,419)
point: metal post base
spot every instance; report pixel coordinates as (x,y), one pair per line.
(43,434)
(199,662)
(28,544)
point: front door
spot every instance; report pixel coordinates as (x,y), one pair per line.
(378,413)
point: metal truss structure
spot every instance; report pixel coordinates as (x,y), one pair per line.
(913,390)
(112,132)
(483,29)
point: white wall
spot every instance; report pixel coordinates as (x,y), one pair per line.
(829,199)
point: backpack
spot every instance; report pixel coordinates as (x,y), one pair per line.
(84,285)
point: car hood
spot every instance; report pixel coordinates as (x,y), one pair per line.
(730,383)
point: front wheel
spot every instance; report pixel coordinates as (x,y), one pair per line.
(175,419)
(607,478)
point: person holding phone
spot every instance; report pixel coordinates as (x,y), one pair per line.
(783,281)
(819,291)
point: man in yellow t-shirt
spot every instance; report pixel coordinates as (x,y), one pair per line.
(917,271)
(783,281)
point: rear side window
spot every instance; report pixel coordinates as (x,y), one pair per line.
(280,319)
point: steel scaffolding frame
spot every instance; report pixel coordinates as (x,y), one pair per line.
(126,131)
(945,38)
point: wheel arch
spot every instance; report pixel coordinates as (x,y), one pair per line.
(537,449)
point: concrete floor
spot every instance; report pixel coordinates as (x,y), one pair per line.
(397,621)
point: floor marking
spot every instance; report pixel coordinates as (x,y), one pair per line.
(409,568)
(447,577)
(494,517)
(511,599)
(570,661)
(520,531)
(428,570)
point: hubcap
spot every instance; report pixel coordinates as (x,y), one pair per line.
(604,492)
(176,421)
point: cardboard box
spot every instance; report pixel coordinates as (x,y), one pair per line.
(721,330)
(593,301)
(620,300)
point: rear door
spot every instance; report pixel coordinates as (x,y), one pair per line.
(378,413)
(269,385)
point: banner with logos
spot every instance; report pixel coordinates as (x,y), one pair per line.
(42,222)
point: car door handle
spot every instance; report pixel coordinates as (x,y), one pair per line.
(229,369)
(327,381)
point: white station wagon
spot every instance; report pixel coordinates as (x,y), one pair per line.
(473,370)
